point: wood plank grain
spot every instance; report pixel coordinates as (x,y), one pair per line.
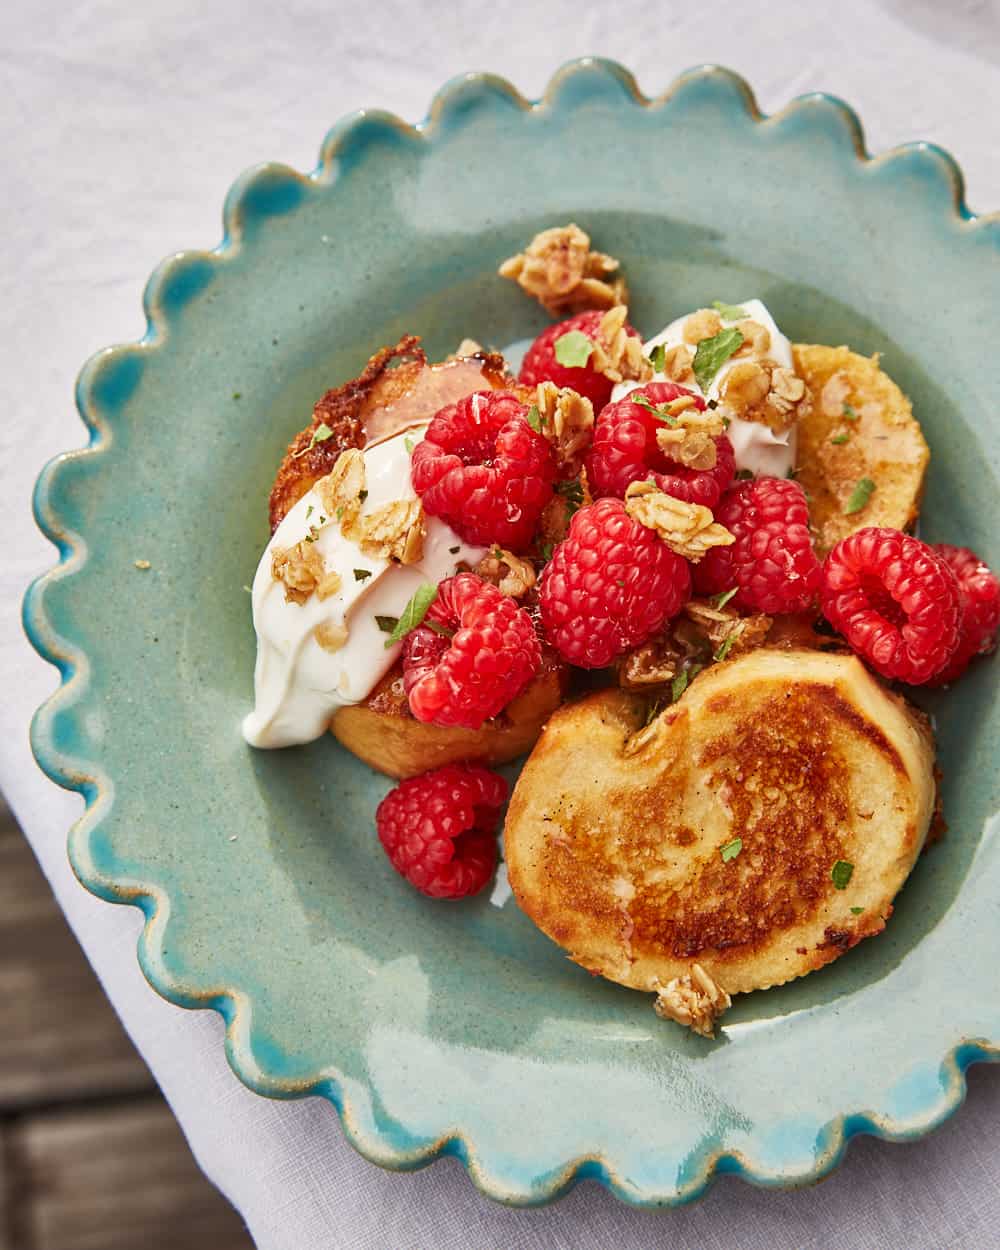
(59,1037)
(114,1178)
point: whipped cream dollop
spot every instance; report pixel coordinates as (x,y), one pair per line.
(299,684)
(756,447)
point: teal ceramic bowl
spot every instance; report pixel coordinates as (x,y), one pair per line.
(461,1030)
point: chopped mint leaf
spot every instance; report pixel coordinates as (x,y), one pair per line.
(744,475)
(572,492)
(534,418)
(849,413)
(547,550)
(711,354)
(841,873)
(856,911)
(681,681)
(729,850)
(413,613)
(309,512)
(387,623)
(792,473)
(726,647)
(573,349)
(721,600)
(237,394)
(729,312)
(409,444)
(658,358)
(726,423)
(839,439)
(440,629)
(362,575)
(654,709)
(859,496)
(340,512)
(661,414)
(321,433)
(454,550)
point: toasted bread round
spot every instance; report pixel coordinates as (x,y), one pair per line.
(382,731)
(859,425)
(621,840)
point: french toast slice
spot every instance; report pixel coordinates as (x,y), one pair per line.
(383,732)
(858,425)
(396,389)
(704,844)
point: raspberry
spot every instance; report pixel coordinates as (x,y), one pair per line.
(484,470)
(625,451)
(979,598)
(771,564)
(438,829)
(540,364)
(485,657)
(894,600)
(610,585)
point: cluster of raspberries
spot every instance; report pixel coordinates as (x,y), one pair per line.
(915,613)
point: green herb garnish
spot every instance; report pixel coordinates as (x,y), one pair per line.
(856,911)
(387,623)
(658,358)
(413,613)
(729,850)
(729,312)
(440,629)
(573,349)
(309,512)
(841,873)
(661,414)
(745,475)
(680,682)
(849,413)
(547,550)
(859,496)
(362,575)
(237,394)
(321,433)
(534,418)
(792,473)
(409,444)
(572,492)
(727,644)
(840,439)
(720,601)
(711,354)
(654,709)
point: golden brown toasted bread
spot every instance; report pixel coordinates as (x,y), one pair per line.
(859,425)
(705,842)
(383,733)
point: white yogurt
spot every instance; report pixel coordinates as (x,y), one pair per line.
(756,446)
(298,684)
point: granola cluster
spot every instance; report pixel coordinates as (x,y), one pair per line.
(687,528)
(567,421)
(617,354)
(694,1000)
(559,269)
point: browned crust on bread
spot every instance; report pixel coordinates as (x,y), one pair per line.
(340,409)
(881,441)
(397,388)
(615,852)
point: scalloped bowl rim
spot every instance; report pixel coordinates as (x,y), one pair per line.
(97,788)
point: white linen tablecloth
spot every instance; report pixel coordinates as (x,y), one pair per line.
(123,125)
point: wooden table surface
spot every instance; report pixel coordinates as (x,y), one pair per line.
(91,1157)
